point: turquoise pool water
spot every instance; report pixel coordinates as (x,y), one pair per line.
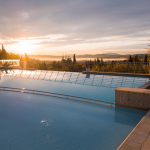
(37,122)
(90,86)
(30,121)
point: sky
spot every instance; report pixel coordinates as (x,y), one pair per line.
(56,27)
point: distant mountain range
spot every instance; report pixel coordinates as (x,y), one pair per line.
(89,56)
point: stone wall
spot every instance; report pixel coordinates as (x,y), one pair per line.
(134,98)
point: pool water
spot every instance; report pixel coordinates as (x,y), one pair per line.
(77,84)
(37,122)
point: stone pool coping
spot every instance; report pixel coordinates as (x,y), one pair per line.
(117,74)
(139,138)
(144,86)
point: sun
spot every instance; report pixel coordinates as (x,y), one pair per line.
(24,46)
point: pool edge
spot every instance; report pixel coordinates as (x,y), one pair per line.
(139,138)
(117,74)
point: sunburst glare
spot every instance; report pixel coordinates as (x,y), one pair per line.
(25,46)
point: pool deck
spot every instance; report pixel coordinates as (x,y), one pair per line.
(139,138)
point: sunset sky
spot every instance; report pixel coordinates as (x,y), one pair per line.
(75,26)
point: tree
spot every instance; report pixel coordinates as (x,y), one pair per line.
(98,61)
(148,53)
(91,64)
(95,62)
(130,59)
(12,56)
(54,64)
(4,54)
(69,61)
(145,59)
(0,54)
(58,65)
(26,57)
(63,62)
(42,66)
(86,64)
(74,59)
(136,58)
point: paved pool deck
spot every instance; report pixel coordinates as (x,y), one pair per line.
(139,138)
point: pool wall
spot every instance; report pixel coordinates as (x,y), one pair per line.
(134,98)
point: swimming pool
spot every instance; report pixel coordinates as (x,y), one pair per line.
(31,121)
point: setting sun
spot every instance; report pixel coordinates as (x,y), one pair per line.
(24,46)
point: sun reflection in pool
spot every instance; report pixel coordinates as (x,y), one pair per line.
(43,121)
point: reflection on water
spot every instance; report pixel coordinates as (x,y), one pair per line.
(126,116)
(46,123)
(88,76)
(79,78)
(43,121)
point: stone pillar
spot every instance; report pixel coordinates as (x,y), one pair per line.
(134,98)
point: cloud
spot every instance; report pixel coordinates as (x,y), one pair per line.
(80,21)
(25,15)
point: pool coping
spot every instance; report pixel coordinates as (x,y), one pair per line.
(117,74)
(139,138)
(144,86)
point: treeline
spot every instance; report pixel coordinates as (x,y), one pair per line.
(5,55)
(137,59)
(130,59)
(131,65)
(67,64)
